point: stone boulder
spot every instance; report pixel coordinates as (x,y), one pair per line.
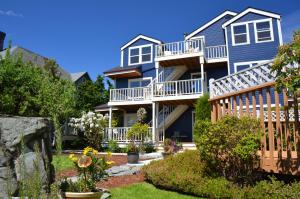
(25,146)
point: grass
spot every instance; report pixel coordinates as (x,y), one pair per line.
(145,191)
(62,162)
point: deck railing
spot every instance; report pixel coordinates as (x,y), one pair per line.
(180,48)
(215,52)
(131,94)
(119,134)
(177,88)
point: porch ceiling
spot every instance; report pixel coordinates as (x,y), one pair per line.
(189,102)
(189,62)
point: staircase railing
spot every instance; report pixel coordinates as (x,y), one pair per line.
(253,76)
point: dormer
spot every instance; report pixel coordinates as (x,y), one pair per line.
(138,51)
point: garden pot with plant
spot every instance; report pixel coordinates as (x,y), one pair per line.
(91,169)
(138,132)
(168,148)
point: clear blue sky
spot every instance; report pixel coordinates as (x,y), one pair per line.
(86,35)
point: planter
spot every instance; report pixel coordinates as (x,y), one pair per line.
(86,195)
(165,155)
(132,158)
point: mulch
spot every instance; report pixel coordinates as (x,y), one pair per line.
(111,182)
(120,181)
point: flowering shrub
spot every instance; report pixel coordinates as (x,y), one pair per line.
(91,168)
(93,126)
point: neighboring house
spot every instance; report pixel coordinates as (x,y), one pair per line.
(39,60)
(168,78)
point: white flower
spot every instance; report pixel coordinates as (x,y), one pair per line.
(97,125)
(91,125)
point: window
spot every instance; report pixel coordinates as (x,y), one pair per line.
(244,65)
(140,54)
(139,82)
(130,119)
(263,31)
(240,34)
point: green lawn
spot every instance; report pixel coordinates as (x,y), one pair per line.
(145,191)
(62,162)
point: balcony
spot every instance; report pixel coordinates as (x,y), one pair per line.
(179,53)
(157,91)
(188,53)
(119,134)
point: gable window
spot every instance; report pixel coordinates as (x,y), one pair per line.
(263,31)
(240,34)
(139,82)
(140,54)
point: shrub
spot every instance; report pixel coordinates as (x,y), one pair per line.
(229,147)
(149,147)
(202,108)
(113,146)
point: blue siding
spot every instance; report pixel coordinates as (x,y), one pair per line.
(148,70)
(253,51)
(214,34)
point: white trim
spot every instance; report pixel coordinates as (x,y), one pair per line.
(140,37)
(125,103)
(279,32)
(247,34)
(250,63)
(226,41)
(178,97)
(214,20)
(271,30)
(188,55)
(139,79)
(140,54)
(260,12)
(122,56)
(119,73)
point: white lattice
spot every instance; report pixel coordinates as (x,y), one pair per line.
(282,116)
(241,80)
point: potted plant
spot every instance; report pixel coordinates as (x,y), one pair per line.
(168,148)
(91,169)
(138,132)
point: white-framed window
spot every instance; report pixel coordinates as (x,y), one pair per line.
(263,31)
(139,82)
(244,65)
(130,119)
(240,34)
(140,54)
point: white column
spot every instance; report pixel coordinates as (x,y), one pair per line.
(202,76)
(153,121)
(109,123)
(156,68)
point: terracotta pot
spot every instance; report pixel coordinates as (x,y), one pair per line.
(86,195)
(132,158)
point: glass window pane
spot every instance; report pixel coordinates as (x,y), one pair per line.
(146,82)
(263,36)
(240,38)
(146,50)
(134,84)
(134,60)
(146,58)
(242,67)
(239,29)
(134,51)
(263,25)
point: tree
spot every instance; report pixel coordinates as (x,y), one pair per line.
(202,108)
(91,94)
(286,66)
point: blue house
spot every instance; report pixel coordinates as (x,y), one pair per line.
(167,78)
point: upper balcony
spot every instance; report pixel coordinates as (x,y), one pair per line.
(188,53)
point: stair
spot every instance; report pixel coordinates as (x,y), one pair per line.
(175,73)
(171,115)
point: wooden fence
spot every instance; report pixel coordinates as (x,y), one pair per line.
(279,118)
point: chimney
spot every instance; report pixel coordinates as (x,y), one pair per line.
(2,37)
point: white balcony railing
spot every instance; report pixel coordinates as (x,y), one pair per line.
(119,134)
(215,52)
(131,94)
(177,88)
(179,48)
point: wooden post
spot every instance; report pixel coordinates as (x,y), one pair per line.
(270,127)
(262,123)
(278,124)
(214,112)
(254,104)
(247,104)
(241,105)
(234,106)
(287,126)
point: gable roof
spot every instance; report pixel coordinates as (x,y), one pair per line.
(140,37)
(253,10)
(78,75)
(214,20)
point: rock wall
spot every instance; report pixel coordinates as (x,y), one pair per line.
(18,160)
